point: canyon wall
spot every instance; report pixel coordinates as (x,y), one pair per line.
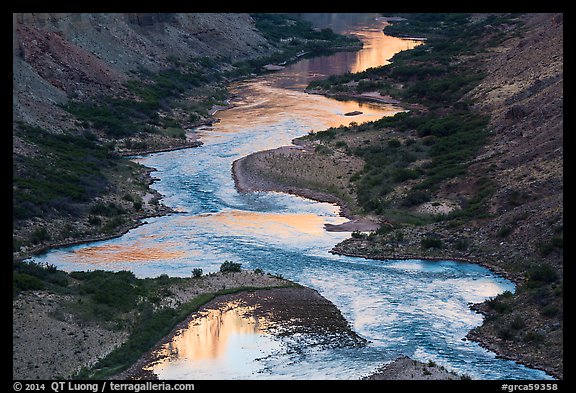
(58,55)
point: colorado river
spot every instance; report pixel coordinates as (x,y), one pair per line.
(416,308)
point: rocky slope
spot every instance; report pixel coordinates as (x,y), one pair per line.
(404,368)
(59,55)
(523,93)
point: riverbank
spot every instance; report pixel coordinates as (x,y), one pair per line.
(373,96)
(82,231)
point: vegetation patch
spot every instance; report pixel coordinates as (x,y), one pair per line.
(68,169)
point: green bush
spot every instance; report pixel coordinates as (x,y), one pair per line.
(108,210)
(550,311)
(229,266)
(540,275)
(534,338)
(107,294)
(402,174)
(431,242)
(394,143)
(416,197)
(25,282)
(39,235)
(462,244)
(70,168)
(504,231)
(32,276)
(517,323)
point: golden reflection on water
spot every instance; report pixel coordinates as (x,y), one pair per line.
(281,225)
(279,97)
(211,335)
(378,49)
(128,252)
(288,108)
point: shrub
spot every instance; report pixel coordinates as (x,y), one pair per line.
(196,272)
(229,266)
(517,323)
(39,235)
(534,338)
(544,248)
(416,197)
(505,333)
(541,275)
(461,244)
(393,143)
(504,231)
(402,174)
(431,242)
(323,149)
(23,282)
(94,220)
(550,311)
(558,241)
(399,236)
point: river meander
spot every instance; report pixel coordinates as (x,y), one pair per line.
(411,307)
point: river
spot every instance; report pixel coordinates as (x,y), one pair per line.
(411,307)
